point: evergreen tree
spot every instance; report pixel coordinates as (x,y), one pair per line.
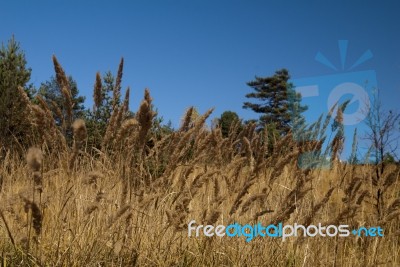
(227,120)
(51,93)
(105,109)
(14,119)
(277,101)
(159,129)
(389,158)
(98,117)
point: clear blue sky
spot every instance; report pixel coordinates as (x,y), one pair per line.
(202,53)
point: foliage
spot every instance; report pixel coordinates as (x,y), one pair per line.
(227,120)
(98,117)
(129,204)
(277,101)
(159,128)
(138,198)
(14,74)
(51,93)
(389,158)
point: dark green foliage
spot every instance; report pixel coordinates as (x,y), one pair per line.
(227,120)
(97,118)
(389,158)
(14,119)
(277,101)
(159,129)
(51,93)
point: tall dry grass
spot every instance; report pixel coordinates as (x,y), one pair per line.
(129,203)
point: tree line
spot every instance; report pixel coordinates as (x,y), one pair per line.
(273,97)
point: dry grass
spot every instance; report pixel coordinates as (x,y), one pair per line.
(129,204)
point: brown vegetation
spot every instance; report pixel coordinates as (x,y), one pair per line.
(128,203)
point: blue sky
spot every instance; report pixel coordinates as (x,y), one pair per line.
(202,53)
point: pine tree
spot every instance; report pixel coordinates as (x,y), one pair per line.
(51,93)
(277,101)
(227,120)
(98,117)
(14,121)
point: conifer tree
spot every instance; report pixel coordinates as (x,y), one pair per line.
(14,75)
(277,101)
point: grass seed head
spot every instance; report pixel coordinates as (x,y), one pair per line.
(34,157)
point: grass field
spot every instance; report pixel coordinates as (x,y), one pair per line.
(128,203)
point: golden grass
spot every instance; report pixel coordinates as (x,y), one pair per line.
(129,203)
